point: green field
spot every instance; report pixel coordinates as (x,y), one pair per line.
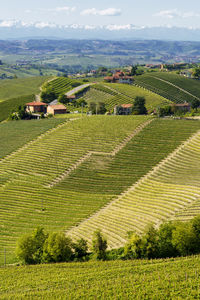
(13,88)
(116,94)
(158,279)
(26,175)
(151,200)
(56,181)
(61,85)
(174,87)
(13,135)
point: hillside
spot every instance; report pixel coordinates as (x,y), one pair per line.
(116,94)
(176,88)
(155,279)
(171,186)
(68,174)
(13,88)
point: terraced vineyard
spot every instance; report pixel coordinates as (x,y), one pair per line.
(26,175)
(116,94)
(13,135)
(156,279)
(173,87)
(60,85)
(152,199)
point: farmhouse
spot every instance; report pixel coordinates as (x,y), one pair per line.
(36,107)
(56,109)
(119,77)
(124,109)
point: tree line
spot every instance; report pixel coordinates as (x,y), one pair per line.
(171,239)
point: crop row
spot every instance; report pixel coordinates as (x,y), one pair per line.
(159,279)
(151,201)
(24,194)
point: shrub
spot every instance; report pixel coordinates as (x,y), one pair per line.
(57,248)
(99,245)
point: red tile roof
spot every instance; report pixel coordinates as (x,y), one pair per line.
(127,105)
(36,103)
(58,106)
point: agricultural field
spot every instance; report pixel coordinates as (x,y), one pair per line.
(61,85)
(67,175)
(173,87)
(13,135)
(116,94)
(13,88)
(154,279)
(28,182)
(155,197)
(11,105)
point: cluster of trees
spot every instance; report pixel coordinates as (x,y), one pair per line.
(139,107)
(42,247)
(170,240)
(21,114)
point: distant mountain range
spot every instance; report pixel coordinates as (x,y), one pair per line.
(13,29)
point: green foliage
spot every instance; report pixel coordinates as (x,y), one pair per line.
(97,108)
(99,245)
(57,248)
(80,248)
(62,98)
(30,246)
(165,111)
(195,103)
(9,106)
(134,70)
(48,95)
(196,73)
(139,106)
(134,247)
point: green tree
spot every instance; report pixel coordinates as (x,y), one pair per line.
(99,245)
(80,249)
(195,103)
(30,246)
(166,248)
(139,106)
(48,95)
(134,70)
(150,242)
(134,247)
(97,107)
(57,248)
(62,98)
(196,73)
(184,238)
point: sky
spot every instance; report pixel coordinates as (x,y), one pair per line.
(151,13)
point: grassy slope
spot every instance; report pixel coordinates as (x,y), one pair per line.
(14,135)
(147,202)
(159,279)
(150,82)
(24,176)
(14,88)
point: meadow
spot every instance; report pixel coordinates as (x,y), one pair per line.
(142,279)
(14,88)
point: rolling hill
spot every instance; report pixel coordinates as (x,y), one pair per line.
(78,169)
(174,87)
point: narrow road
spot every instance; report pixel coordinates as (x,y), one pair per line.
(78,88)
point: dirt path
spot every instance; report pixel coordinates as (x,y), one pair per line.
(90,153)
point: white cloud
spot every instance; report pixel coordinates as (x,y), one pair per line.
(175,13)
(64,9)
(112,12)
